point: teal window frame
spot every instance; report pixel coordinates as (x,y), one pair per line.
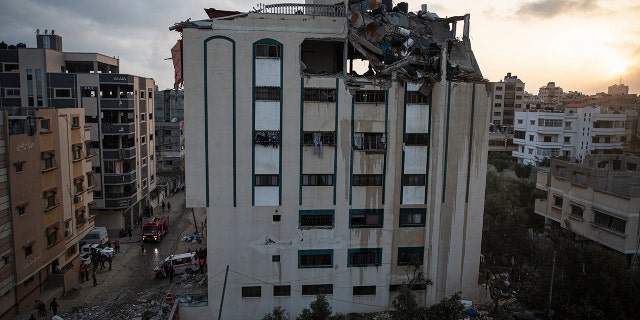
(366,213)
(365,251)
(404,251)
(322,252)
(305,213)
(406,211)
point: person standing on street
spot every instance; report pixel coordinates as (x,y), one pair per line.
(95,280)
(129,232)
(54,306)
(109,260)
(162,206)
(169,206)
(116,246)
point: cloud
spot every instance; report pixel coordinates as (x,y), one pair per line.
(553,8)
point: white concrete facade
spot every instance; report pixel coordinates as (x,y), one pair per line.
(261,203)
(575,133)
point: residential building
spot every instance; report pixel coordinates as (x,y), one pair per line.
(618,90)
(550,94)
(49,184)
(320,178)
(169,137)
(576,132)
(118,108)
(597,201)
(507,98)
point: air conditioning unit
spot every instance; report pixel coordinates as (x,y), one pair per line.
(77,199)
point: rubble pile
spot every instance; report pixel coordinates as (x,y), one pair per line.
(144,305)
(410,44)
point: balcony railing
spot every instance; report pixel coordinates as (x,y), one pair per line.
(303,9)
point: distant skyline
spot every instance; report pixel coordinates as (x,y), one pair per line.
(581,45)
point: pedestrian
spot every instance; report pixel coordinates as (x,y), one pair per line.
(169,206)
(171,273)
(201,265)
(142,247)
(42,309)
(81,269)
(95,279)
(101,259)
(109,259)
(116,246)
(85,273)
(129,232)
(162,206)
(54,306)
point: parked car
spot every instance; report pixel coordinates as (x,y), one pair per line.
(93,248)
(182,263)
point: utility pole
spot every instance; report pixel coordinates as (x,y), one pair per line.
(224,287)
(553,271)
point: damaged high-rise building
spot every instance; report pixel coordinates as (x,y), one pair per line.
(337,149)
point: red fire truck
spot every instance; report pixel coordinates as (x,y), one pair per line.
(155,228)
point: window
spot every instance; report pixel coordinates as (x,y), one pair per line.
(315,258)
(11,67)
(324,137)
(410,256)
(577,211)
(49,197)
(45,125)
(267,138)
(143,117)
(76,151)
(315,289)
(364,290)
(498,88)
(509,95)
(497,105)
(369,141)
(498,96)
(413,179)
(52,235)
(319,94)
(19,166)
(370,96)
(317,179)
(48,161)
(567,139)
(606,221)
(531,137)
(557,201)
(369,257)
(22,209)
(267,180)
(78,183)
(415,97)
(367,179)
(75,122)
(28,250)
(550,123)
(62,93)
(365,218)
(12,92)
(267,94)
(143,139)
(275,258)
(282,291)
(520,121)
(416,139)
(267,50)
(413,217)
(497,113)
(316,218)
(252,292)
(141,94)
(414,287)
(80,217)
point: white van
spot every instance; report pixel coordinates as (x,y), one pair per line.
(98,235)
(184,262)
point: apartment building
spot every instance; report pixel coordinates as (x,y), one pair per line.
(49,183)
(597,200)
(322,178)
(118,109)
(550,94)
(576,132)
(169,120)
(507,98)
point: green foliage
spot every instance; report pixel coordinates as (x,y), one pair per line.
(318,310)
(501,160)
(278,313)
(522,170)
(447,309)
(405,305)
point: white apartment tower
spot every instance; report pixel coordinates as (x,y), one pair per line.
(319,178)
(576,132)
(506,99)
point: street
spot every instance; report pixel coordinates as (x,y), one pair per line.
(130,290)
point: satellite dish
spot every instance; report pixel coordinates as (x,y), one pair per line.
(37,31)
(46,31)
(53,31)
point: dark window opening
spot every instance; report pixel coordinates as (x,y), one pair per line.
(370,96)
(264,50)
(267,180)
(321,57)
(310,138)
(315,289)
(267,94)
(364,290)
(317,179)
(414,179)
(252,292)
(365,218)
(367,179)
(320,94)
(281,291)
(416,139)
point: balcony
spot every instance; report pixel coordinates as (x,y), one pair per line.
(305,9)
(115,103)
(122,178)
(119,154)
(120,200)
(116,128)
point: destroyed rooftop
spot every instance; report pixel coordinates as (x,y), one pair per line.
(391,40)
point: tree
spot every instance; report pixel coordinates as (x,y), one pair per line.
(405,305)
(447,309)
(278,313)
(318,310)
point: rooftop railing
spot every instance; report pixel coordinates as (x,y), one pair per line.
(303,9)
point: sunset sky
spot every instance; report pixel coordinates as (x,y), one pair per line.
(581,45)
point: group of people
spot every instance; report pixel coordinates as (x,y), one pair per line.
(42,308)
